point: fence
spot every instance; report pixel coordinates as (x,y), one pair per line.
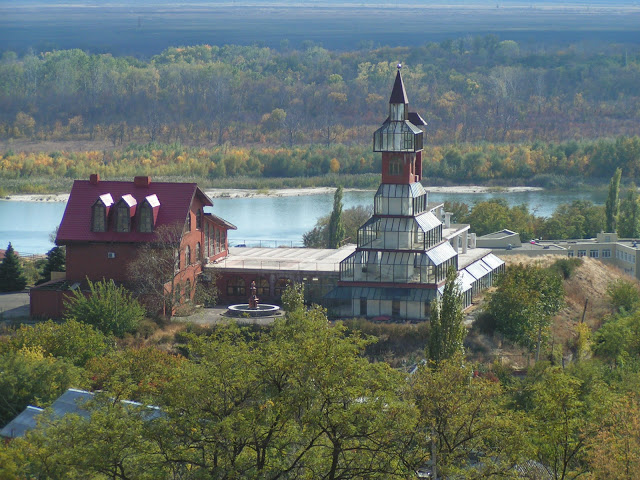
(253,243)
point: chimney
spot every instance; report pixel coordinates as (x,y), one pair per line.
(142,181)
(94,178)
(447,219)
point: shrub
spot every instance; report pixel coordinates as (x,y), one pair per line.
(623,295)
(566,267)
(110,308)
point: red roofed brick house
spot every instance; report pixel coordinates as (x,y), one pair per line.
(105,224)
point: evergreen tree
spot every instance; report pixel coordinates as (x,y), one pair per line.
(447,331)
(336,227)
(612,207)
(56,262)
(12,276)
(629,219)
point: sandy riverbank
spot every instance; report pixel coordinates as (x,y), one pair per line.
(284,192)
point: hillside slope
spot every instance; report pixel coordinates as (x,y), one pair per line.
(588,283)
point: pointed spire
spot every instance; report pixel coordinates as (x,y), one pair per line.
(398,94)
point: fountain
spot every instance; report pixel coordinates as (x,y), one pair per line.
(253,308)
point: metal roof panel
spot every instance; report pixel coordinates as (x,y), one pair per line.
(441,253)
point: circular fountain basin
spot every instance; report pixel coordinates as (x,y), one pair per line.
(262,310)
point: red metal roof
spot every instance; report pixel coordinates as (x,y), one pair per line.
(175,200)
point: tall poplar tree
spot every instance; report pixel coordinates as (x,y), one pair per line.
(612,206)
(629,217)
(12,276)
(336,227)
(447,330)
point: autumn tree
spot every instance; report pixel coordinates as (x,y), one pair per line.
(74,341)
(155,271)
(614,452)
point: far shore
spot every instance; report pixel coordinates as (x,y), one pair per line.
(283,192)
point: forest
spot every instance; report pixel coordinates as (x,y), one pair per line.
(305,398)
(496,110)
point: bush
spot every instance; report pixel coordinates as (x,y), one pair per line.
(110,308)
(623,295)
(74,341)
(566,267)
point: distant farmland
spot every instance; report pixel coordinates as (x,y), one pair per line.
(146,29)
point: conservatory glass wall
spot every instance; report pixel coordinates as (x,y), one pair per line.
(399,267)
(411,233)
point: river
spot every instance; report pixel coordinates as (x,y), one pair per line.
(274,220)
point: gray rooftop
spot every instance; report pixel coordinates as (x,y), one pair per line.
(501,234)
(71,401)
(288,259)
(23,422)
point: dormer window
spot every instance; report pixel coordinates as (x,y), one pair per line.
(99,219)
(99,213)
(125,209)
(145,224)
(123,223)
(148,213)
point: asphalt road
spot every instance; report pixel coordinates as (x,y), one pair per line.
(14,305)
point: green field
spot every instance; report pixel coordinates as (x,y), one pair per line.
(146,29)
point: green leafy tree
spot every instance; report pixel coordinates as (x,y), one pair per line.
(612,206)
(525,300)
(56,262)
(617,341)
(293,298)
(28,377)
(11,273)
(134,373)
(447,330)
(352,218)
(566,413)
(629,218)
(336,227)
(489,216)
(110,308)
(465,417)
(580,219)
(110,443)
(624,295)
(299,401)
(73,341)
